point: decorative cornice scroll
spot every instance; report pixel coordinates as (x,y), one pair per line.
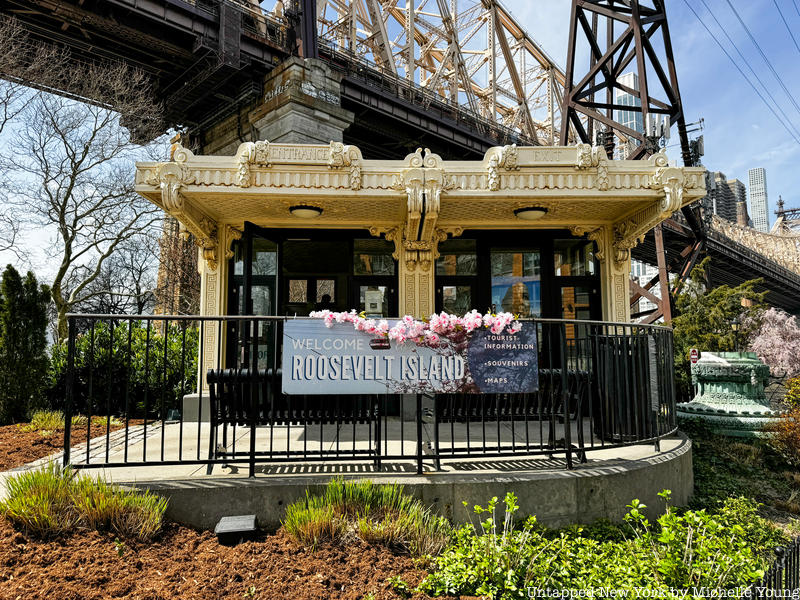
(172,178)
(231,235)
(251,153)
(593,156)
(594,234)
(672,182)
(423,180)
(342,156)
(506,157)
(626,236)
(392,234)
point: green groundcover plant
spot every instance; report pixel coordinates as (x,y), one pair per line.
(690,550)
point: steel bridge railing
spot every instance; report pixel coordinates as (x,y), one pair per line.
(601,385)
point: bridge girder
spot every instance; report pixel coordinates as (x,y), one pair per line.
(467,53)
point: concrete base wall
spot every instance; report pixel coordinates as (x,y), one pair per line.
(556,497)
(192,408)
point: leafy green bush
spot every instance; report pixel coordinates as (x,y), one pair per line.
(52,501)
(106,373)
(725,549)
(792,397)
(378,514)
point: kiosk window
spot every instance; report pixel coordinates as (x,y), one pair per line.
(573,257)
(373,257)
(457,257)
(298,290)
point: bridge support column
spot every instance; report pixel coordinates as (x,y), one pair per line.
(301,105)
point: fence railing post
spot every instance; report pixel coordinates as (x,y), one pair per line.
(253,387)
(69,391)
(565,395)
(419,434)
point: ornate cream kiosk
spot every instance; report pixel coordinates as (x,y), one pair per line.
(541,230)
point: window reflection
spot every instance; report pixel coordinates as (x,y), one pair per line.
(265,257)
(516,282)
(457,257)
(373,300)
(573,257)
(298,290)
(373,257)
(457,299)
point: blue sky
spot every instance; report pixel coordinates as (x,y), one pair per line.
(740,131)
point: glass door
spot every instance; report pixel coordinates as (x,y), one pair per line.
(253,290)
(374,280)
(314,275)
(457,276)
(577,282)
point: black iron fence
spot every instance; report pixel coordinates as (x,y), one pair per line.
(601,385)
(782,579)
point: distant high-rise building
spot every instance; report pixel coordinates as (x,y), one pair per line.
(628,118)
(724,195)
(759,210)
(738,191)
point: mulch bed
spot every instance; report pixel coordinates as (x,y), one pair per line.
(19,447)
(187,564)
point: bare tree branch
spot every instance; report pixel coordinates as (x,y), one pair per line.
(69,168)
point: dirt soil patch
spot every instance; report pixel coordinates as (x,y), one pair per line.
(187,564)
(19,447)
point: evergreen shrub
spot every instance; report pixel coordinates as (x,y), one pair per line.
(23,345)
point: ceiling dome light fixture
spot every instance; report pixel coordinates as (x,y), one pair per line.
(530,213)
(304,211)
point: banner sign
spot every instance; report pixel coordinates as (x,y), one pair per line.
(342,360)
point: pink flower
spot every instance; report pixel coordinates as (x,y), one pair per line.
(433,332)
(432,338)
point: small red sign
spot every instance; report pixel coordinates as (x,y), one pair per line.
(380,344)
(694,355)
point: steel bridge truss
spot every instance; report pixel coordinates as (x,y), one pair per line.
(468,53)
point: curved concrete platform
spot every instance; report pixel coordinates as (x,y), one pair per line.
(600,488)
